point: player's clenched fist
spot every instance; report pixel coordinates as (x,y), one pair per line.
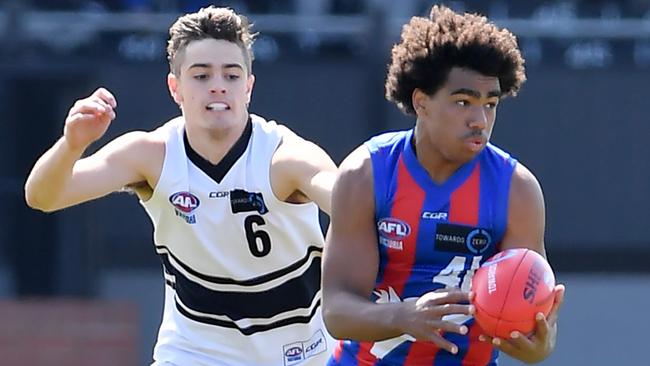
(88,119)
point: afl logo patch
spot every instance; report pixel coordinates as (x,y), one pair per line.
(392,232)
(293,353)
(184,201)
(184,204)
(392,228)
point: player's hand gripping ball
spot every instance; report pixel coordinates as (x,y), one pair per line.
(510,289)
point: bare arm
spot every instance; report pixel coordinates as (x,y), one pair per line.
(61,179)
(351,258)
(526,213)
(526,225)
(303,171)
(351,261)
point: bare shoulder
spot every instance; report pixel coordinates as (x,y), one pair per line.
(136,146)
(354,188)
(356,168)
(297,159)
(294,149)
(301,171)
(151,155)
(524,187)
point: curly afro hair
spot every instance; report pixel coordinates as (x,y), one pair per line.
(430,48)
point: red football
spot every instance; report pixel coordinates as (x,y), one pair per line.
(510,289)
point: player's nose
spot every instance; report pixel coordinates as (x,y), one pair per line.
(478,119)
(218,86)
(217,90)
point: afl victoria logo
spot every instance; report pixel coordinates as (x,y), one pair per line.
(184,201)
(393,228)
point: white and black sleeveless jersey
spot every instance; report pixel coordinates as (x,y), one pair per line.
(242,268)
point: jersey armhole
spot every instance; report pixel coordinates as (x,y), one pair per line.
(282,133)
(165,166)
(503,196)
(380,186)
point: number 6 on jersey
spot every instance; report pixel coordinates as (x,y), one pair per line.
(253,236)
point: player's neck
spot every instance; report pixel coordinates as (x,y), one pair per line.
(212,145)
(434,162)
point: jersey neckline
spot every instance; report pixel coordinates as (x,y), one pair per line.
(421,175)
(218,171)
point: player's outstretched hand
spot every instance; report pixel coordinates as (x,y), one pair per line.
(423,320)
(541,343)
(89,118)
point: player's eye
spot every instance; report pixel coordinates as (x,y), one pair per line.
(462,103)
(232,76)
(201,76)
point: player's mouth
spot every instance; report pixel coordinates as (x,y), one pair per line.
(476,143)
(217,106)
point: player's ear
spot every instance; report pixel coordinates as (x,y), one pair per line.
(172,84)
(250,82)
(419,101)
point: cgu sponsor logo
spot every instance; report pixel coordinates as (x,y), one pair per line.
(184,201)
(314,345)
(220,194)
(392,228)
(434,215)
(295,353)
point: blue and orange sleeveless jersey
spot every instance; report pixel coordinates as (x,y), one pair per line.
(431,236)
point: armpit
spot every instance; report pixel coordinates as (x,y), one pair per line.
(141,189)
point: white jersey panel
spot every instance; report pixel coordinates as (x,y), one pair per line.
(242,268)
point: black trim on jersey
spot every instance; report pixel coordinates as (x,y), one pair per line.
(296,293)
(230,281)
(253,328)
(218,171)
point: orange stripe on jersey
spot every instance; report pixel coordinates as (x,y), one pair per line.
(465,200)
(421,353)
(338,350)
(463,209)
(407,206)
(478,353)
(364,357)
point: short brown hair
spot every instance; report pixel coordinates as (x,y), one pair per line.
(430,48)
(210,22)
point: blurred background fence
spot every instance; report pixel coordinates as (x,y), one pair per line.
(580,123)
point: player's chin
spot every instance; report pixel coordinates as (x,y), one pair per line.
(466,155)
(219,120)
